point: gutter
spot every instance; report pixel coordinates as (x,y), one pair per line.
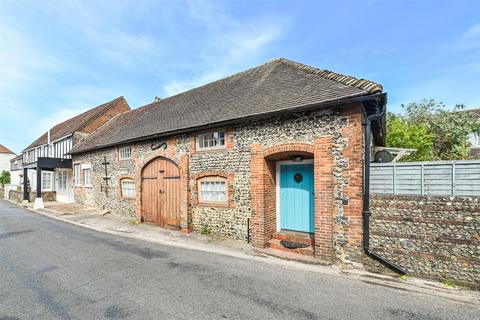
(366,193)
(265,115)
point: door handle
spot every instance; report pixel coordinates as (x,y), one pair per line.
(161,191)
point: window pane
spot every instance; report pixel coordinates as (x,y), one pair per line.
(211,139)
(128,188)
(213,191)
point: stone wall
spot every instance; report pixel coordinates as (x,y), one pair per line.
(342,127)
(431,237)
(17,195)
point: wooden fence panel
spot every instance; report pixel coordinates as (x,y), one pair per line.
(460,178)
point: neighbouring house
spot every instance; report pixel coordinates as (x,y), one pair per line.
(5,156)
(16,173)
(46,164)
(274,154)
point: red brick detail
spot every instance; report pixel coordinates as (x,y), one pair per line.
(258,232)
(323,201)
(185,207)
(289,147)
(119,107)
(229,138)
(354,152)
(228,176)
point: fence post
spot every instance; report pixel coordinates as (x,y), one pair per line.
(394,181)
(453,179)
(422,180)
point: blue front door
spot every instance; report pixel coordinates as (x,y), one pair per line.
(296,197)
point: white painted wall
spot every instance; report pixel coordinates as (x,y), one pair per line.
(15,177)
(5,161)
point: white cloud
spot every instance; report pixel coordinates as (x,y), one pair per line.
(473,31)
(229,45)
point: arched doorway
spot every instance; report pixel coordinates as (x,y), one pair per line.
(161,193)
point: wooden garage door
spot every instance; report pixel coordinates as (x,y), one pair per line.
(161,193)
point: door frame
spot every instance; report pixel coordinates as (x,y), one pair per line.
(68,192)
(277,185)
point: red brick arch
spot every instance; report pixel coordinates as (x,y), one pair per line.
(289,147)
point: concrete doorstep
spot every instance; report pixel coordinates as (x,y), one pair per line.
(103,221)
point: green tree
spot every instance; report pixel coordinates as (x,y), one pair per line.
(449,128)
(4,178)
(434,131)
(404,134)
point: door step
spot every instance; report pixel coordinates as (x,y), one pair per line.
(294,242)
(275,244)
(294,236)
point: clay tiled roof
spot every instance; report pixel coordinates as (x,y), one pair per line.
(4,149)
(277,86)
(76,123)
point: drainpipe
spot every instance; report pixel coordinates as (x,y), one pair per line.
(366,195)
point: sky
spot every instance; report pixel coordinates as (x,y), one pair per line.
(60,58)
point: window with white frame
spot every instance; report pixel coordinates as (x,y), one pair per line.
(211,140)
(212,190)
(128,188)
(125,153)
(47,180)
(474,140)
(77,173)
(87,177)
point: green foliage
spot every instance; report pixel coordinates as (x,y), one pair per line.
(436,132)
(404,277)
(205,230)
(404,134)
(4,178)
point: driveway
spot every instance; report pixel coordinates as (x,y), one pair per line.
(53,270)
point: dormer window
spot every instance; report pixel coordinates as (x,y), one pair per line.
(211,140)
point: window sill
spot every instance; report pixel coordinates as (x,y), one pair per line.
(213,205)
(198,150)
(128,198)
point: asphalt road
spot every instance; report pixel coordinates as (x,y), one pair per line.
(54,270)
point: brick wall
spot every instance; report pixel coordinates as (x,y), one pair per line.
(432,237)
(17,195)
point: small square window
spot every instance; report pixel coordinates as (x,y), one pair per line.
(128,188)
(125,153)
(212,190)
(211,140)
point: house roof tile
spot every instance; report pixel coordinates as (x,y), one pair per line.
(275,86)
(4,149)
(76,123)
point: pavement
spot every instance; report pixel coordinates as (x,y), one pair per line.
(100,267)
